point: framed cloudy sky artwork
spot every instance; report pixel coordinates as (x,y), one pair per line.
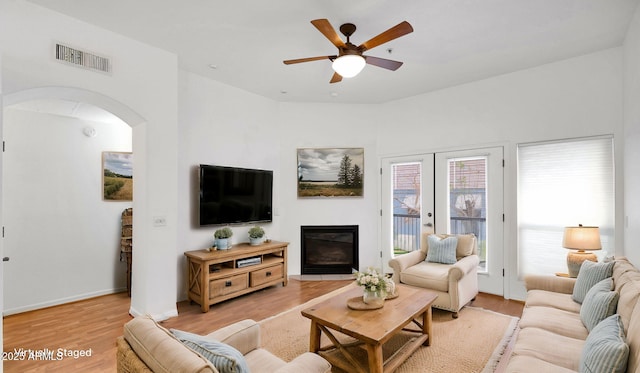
(330,172)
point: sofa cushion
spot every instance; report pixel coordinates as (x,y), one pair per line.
(555,320)
(535,342)
(628,286)
(605,350)
(433,276)
(225,358)
(546,298)
(599,303)
(621,267)
(442,250)
(521,363)
(160,350)
(633,340)
(590,274)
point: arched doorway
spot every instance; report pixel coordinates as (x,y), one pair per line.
(56,259)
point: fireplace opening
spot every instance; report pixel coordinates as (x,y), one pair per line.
(329,249)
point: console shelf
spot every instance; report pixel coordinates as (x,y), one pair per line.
(215,276)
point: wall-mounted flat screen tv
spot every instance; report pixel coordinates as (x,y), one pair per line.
(230,195)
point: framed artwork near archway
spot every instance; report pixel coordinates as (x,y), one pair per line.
(117,176)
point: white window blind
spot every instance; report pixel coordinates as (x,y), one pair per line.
(563,183)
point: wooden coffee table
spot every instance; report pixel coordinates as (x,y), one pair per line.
(370,328)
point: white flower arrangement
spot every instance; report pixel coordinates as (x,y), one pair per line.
(371,279)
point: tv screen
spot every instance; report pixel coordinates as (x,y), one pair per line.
(234,195)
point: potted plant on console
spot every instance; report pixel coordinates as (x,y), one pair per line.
(256,234)
(222,236)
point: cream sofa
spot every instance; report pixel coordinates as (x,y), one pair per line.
(456,284)
(551,335)
(148,347)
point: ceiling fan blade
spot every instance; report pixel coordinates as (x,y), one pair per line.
(395,32)
(328,31)
(309,59)
(336,78)
(383,62)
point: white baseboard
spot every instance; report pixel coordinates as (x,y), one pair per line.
(57,302)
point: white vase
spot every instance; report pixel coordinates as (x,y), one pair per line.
(255,241)
(374,298)
(222,243)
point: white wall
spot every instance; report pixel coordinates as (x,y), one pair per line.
(221,125)
(572,98)
(632,139)
(56,220)
(144,79)
(329,126)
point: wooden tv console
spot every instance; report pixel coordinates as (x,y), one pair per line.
(215,276)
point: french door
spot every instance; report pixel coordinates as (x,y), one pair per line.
(449,192)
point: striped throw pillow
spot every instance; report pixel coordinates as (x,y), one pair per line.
(599,303)
(605,349)
(225,358)
(590,274)
(442,250)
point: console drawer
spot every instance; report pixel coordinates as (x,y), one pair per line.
(228,285)
(265,275)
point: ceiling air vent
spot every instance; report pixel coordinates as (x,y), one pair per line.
(82,58)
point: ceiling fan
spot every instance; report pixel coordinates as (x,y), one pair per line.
(352,56)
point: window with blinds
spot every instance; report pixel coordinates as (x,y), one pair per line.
(563,183)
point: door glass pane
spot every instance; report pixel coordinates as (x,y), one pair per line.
(406,185)
(468,200)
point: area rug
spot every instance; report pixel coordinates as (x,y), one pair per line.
(474,342)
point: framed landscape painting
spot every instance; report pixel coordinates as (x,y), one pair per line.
(117,176)
(330,172)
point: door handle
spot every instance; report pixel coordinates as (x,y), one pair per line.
(429,225)
(5,259)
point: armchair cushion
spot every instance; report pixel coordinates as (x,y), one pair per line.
(243,335)
(442,250)
(225,358)
(427,275)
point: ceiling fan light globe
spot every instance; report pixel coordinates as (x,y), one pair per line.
(349,65)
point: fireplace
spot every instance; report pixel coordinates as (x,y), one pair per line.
(329,249)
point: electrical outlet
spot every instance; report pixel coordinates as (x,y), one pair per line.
(159,221)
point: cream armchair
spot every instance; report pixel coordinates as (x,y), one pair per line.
(147,347)
(456,284)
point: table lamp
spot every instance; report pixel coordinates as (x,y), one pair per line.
(582,239)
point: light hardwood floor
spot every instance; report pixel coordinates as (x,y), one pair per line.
(94,324)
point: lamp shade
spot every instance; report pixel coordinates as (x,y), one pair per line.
(582,238)
(348,65)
